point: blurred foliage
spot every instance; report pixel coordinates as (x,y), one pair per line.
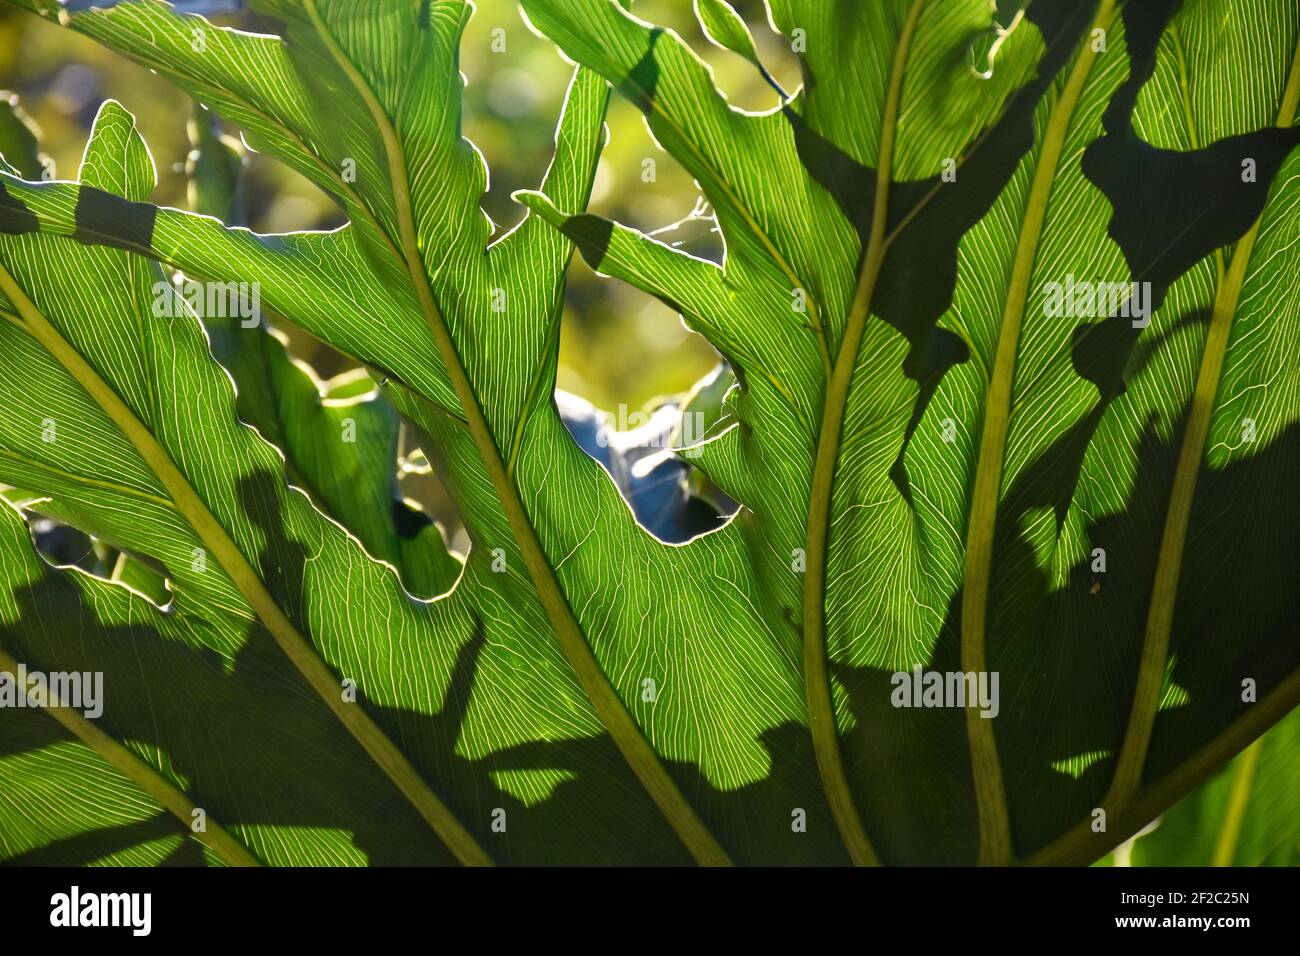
(618,346)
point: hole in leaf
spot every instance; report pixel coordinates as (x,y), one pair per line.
(64,546)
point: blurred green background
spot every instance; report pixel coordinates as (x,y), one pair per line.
(618,345)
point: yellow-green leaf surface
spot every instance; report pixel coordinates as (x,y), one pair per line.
(999,477)
(550,715)
(340,438)
(936,470)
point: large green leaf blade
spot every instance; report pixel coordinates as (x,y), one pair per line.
(794,191)
(237,732)
(534,728)
(1063,413)
(213,528)
(722,740)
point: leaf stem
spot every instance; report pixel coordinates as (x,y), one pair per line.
(1080,845)
(990,794)
(821,707)
(149,781)
(1164,590)
(218,541)
(624,731)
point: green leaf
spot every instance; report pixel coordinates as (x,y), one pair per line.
(196,711)
(724,26)
(188,484)
(215,168)
(529,717)
(988,460)
(928,459)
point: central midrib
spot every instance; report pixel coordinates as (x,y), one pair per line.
(1164,589)
(623,730)
(990,793)
(145,778)
(821,707)
(218,541)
